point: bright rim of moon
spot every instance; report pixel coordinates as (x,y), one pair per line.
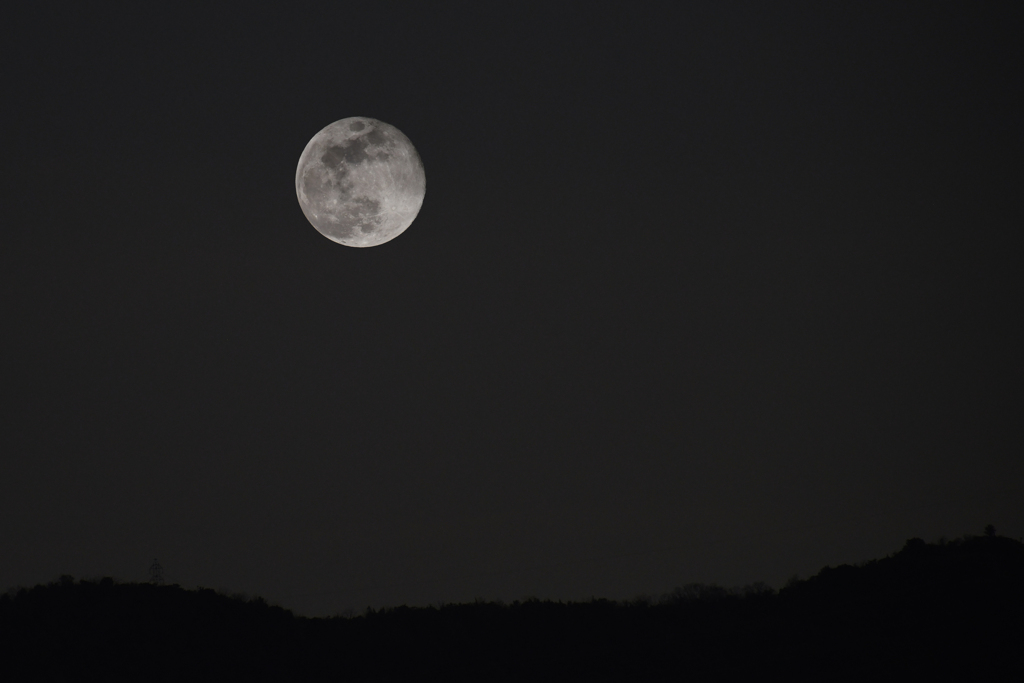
(360,182)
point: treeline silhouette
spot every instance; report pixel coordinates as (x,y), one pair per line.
(948,609)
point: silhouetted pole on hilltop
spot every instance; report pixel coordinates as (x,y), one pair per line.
(156,572)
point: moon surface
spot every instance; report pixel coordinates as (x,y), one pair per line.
(360,182)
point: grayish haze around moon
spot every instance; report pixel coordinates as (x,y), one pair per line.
(360,182)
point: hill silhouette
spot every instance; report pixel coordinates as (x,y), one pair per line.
(945,609)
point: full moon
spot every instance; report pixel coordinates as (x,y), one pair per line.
(360,182)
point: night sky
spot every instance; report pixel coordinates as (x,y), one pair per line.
(717,292)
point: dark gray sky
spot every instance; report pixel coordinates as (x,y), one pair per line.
(716,292)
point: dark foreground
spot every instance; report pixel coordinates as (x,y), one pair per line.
(947,610)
